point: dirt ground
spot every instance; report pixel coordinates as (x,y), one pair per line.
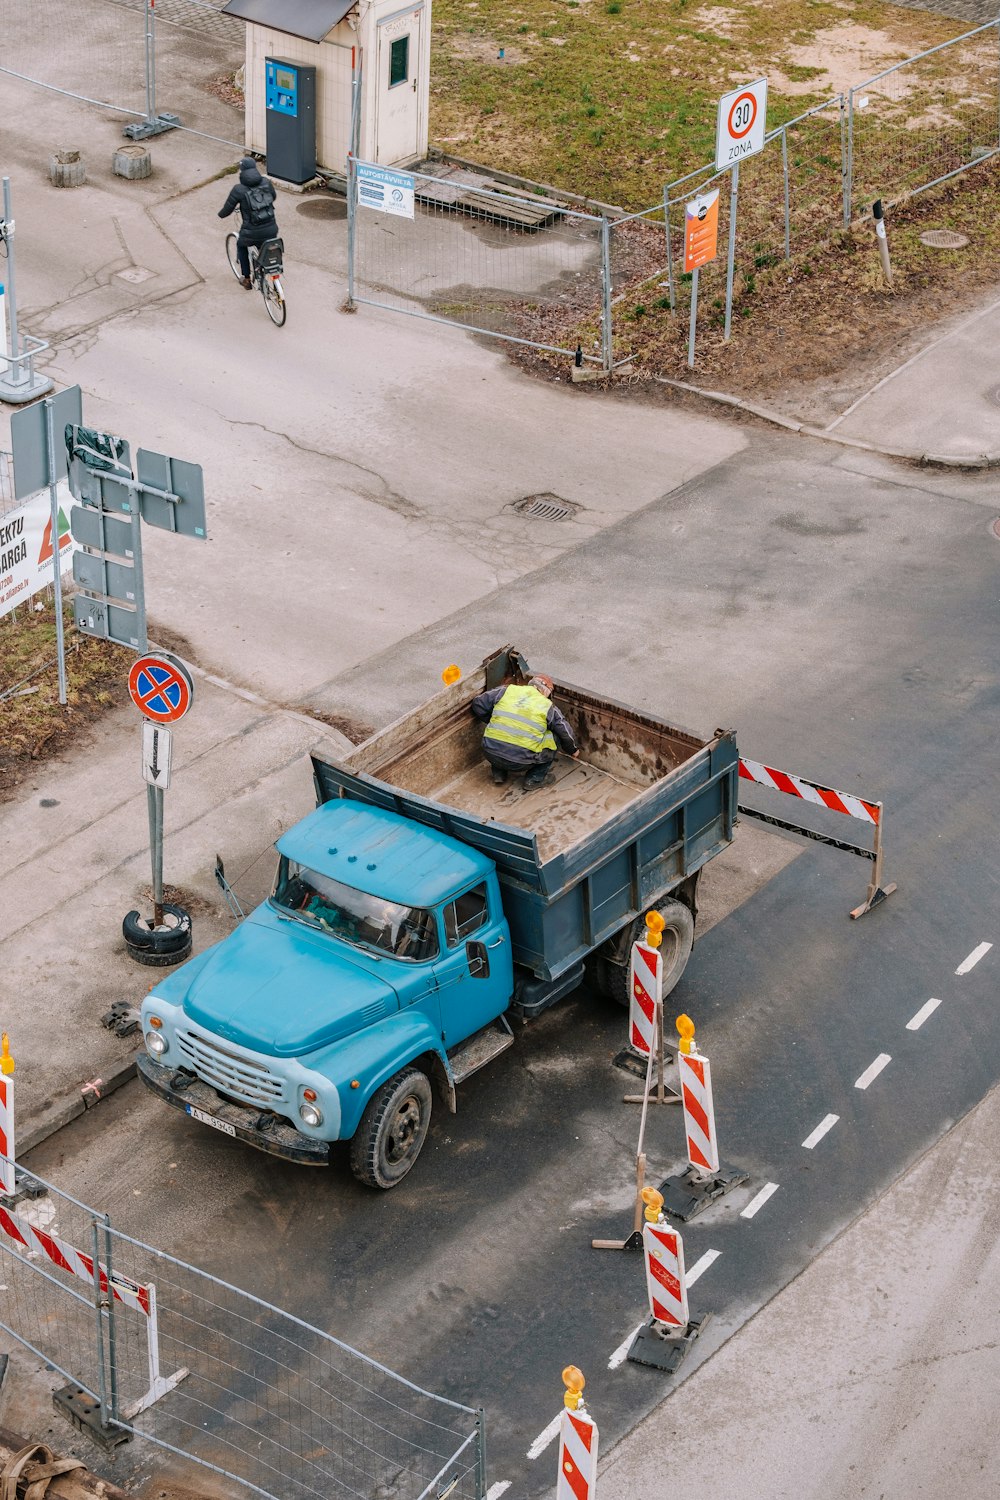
(811,334)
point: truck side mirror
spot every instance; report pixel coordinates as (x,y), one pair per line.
(479,960)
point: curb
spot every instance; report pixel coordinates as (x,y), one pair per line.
(803,429)
(62,1111)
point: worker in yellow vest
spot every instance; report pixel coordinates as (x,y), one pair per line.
(524,731)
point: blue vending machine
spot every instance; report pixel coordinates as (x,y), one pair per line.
(290,106)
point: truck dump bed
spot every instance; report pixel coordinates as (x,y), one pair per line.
(642,809)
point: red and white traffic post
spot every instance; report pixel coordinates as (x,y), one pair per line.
(578,1440)
(645,1031)
(664,1341)
(8,1185)
(704,1179)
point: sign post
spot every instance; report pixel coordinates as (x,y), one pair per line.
(160,686)
(739,132)
(701,244)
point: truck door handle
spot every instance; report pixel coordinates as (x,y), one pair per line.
(497,944)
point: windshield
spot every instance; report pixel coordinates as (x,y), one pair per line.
(366,921)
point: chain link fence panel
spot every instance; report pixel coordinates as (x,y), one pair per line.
(481,259)
(206,1370)
(925,119)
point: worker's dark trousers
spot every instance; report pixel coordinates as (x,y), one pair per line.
(526,760)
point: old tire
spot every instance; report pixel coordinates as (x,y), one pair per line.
(392,1131)
(678,939)
(154,960)
(173,933)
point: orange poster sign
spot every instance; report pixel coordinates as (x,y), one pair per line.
(701,230)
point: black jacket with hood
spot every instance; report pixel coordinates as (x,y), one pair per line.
(250,234)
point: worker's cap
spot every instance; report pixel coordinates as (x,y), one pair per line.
(248,161)
(540,680)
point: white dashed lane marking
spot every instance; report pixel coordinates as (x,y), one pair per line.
(621,1353)
(545,1437)
(815,1136)
(496,1490)
(873,1070)
(756,1204)
(915,1022)
(973,958)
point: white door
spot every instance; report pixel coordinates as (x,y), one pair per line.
(398,102)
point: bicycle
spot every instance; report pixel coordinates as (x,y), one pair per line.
(266,266)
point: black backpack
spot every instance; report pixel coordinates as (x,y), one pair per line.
(259,202)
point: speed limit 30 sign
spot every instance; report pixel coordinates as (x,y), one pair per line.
(740,129)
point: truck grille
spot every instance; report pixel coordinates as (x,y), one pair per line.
(230,1072)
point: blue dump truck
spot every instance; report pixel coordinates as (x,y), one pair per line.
(420,908)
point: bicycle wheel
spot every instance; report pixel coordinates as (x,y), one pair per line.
(274,299)
(232,256)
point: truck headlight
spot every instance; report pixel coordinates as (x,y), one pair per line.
(310,1114)
(155,1043)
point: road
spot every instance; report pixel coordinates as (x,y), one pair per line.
(836,612)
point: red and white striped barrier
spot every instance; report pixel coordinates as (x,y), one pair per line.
(7,1135)
(645,988)
(141,1299)
(578,1439)
(695,1075)
(810,791)
(663,1251)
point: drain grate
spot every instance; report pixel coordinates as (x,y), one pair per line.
(545,507)
(944,239)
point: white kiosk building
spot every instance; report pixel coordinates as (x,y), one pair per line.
(378,45)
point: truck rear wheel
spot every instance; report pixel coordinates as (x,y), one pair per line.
(678,940)
(393,1129)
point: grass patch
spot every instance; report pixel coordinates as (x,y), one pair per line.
(33,723)
(653,69)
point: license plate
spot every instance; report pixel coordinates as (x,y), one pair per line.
(199,1114)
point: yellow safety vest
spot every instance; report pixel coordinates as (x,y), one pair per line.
(519,718)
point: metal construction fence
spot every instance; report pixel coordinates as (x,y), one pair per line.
(201,1368)
(152,63)
(490,261)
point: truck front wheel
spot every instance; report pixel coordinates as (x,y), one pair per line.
(393,1129)
(678,938)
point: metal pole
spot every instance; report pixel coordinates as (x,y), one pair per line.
(606,278)
(480,1453)
(50,438)
(150,64)
(102,1387)
(849,183)
(351,211)
(140,587)
(15,343)
(788,206)
(670,254)
(112,1336)
(734,192)
(694,317)
(158,858)
(844,183)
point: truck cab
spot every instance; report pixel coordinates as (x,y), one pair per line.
(382,948)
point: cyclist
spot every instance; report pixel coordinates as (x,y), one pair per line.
(254,195)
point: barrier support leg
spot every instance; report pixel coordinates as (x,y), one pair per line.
(663,1094)
(691,1192)
(877,892)
(634,1240)
(159,1384)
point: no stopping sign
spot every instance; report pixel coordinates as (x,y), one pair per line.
(741,124)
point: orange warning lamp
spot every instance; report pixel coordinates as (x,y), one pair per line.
(451,674)
(654,1205)
(654,929)
(574,1382)
(6,1061)
(685,1030)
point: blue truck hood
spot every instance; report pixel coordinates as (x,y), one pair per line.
(277,987)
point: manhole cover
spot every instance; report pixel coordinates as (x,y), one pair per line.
(995,528)
(322,208)
(545,507)
(944,239)
(135,274)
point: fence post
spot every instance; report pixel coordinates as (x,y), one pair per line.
(351,231)
(670,253)
(480,1453)
(150,64)
(788,207)
(606,289)
(734,193)
(849,161)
